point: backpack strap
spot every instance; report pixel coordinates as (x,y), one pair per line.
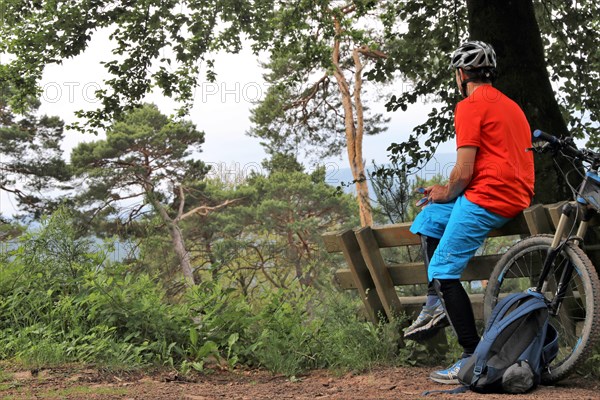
(505,304)
(499,321)
(524,309)
(478,370)
(460,389)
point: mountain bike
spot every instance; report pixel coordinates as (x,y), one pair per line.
(557,266)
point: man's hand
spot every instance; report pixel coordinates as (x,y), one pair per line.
(460,176)
(438,194)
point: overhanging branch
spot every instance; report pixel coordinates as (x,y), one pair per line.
(205,210)
(304,100)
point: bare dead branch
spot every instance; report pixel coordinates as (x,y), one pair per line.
(181,202)
(347,9)
(14,191)
(205,210)
(304,243)
(263,268)
(371,53)
(304,100)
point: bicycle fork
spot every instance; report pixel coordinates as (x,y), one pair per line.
(554,250)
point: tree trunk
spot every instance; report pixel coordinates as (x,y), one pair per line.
(183,255)
(178,245)
(511,27)
(211,258)
(362,189)
(354,136)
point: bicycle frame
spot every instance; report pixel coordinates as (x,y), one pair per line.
(557,243)
(588,199)
(556,266)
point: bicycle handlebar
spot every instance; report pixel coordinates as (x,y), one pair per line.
(567,146)
(545,136)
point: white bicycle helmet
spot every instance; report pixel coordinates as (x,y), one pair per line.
(474,54)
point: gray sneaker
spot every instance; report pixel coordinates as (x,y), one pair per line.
(429,321)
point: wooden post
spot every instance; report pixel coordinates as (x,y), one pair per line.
(361,276)
(537,220)
(379,272)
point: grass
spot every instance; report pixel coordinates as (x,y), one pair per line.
(69,392)
(5,376)
(7,381)
(12,387)
(81,390)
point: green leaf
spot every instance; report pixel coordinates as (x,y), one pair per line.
(233,338)
(209,348)
(193,337)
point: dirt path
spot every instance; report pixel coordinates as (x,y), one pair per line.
(384,384)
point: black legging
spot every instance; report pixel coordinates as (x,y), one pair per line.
(460,312)
(429,245)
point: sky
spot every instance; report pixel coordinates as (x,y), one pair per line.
(221,109)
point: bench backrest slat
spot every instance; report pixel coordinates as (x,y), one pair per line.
(395,235)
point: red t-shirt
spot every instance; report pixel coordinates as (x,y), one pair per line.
(503,173)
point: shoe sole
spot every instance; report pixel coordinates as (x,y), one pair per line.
(445,381)
(429,330)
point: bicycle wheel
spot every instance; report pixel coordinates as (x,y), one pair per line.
(577,321)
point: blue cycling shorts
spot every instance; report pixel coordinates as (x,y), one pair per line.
(462,227)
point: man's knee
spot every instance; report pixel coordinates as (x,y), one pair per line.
(445,285)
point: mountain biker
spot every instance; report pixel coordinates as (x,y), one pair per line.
(491,183)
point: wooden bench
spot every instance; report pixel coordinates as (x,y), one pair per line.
(376,281)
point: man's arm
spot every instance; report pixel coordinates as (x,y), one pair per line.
(460,176)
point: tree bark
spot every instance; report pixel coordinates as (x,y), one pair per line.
(183,255)
(362,189)
(354,136)
(511,27)
(211,258)
(178,245)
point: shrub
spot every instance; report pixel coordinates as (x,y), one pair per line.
(303,328)
(63,301)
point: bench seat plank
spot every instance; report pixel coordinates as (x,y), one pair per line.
(479,268)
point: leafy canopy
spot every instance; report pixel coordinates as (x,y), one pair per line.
(30,154)
(158,43)
(155,43)
(146,155)
(569,31)
(309,40)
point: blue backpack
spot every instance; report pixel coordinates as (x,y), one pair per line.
(517,345)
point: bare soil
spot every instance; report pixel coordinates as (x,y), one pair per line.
(387,383)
